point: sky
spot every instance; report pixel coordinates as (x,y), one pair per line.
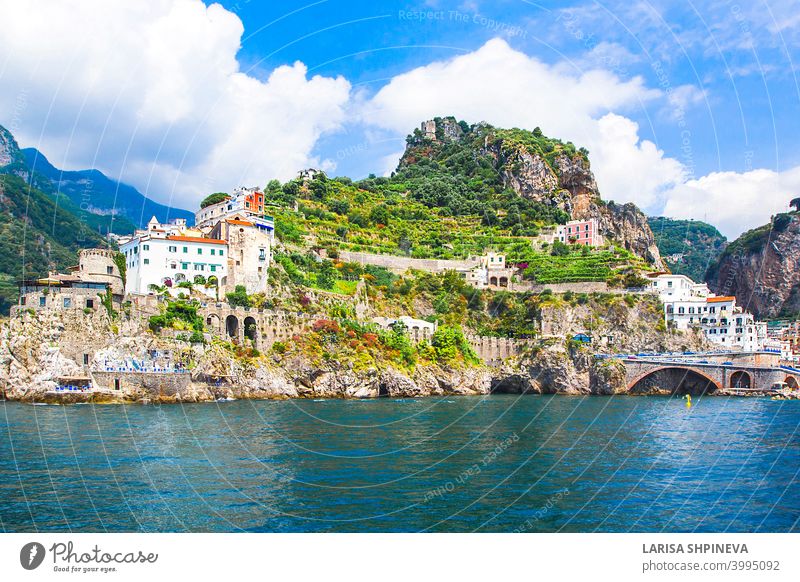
(689,109)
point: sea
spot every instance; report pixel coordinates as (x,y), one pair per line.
(499,463)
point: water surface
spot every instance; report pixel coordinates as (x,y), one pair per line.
(495,463)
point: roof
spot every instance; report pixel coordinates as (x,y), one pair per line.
(197,239)
(720,299)
(240,222)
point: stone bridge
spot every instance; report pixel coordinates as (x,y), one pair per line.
(737,372)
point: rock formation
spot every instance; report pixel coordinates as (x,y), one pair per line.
(762,269)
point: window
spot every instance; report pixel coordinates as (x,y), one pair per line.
(147,261)
(85,359)
(173,249)
(213,268)
(213,251)
(42,301)
(185,249)
(22,300)
(135,250)
(199,267)
(109,270)
(669,283)
(90,303)
(220,252)
(184,266)
(145,247)
(173,265)
(67,302)
(199,251)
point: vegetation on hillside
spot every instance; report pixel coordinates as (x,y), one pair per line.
(36,236)
(695,245)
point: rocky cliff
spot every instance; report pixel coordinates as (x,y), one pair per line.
(762,268)
(537,168)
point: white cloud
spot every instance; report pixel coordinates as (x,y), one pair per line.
(734,201)
(152,93)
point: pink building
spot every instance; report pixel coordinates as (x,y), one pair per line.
(583,232)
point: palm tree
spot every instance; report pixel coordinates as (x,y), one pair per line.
(795,203)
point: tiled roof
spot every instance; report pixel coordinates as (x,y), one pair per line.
(720,299)
(198,239)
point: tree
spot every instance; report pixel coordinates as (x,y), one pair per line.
(327,275)
(239,297)
(795,203)
(559,249)
(379,215)
(214,198)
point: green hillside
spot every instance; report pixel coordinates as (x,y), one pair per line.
(447,200)
(36,235)
(688,247)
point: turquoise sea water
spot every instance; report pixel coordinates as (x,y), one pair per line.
(495,463)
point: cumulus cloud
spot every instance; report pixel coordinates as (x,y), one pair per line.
(734,201)
(152,93)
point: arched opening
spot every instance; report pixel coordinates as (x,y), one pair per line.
(250,329)
(212,321)
(232,326)
(493,281)
(383,390)
(504,281)
(791,382)
(741,379)
(673,381)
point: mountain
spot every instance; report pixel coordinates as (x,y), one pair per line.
(762,268)
(543,171)
(688,247)
(102,202)
(36,235)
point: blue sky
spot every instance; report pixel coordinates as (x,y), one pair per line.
(688,109)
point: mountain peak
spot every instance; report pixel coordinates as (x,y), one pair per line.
(10,153)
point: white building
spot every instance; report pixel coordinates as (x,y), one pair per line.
(678,288)
(163,259)
(691,305)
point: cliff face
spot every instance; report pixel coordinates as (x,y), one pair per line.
(538,168)
(762,268)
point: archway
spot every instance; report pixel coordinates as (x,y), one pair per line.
(504,281)
(213,322)
(741,379)
(791,382)
(493,281)
(251,329)
(232,326)
(673,380)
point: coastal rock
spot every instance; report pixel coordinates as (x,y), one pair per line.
(762,269)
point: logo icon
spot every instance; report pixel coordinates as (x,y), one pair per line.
(31,555)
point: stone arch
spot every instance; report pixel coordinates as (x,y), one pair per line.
(741,379)
(493,281)
(504,281)
(213,321)
(678,380)
(251,329)
(232,326)
(791,382)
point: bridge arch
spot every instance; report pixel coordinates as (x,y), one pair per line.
(791,381)
(676,379)
(232,326)
(741,379)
